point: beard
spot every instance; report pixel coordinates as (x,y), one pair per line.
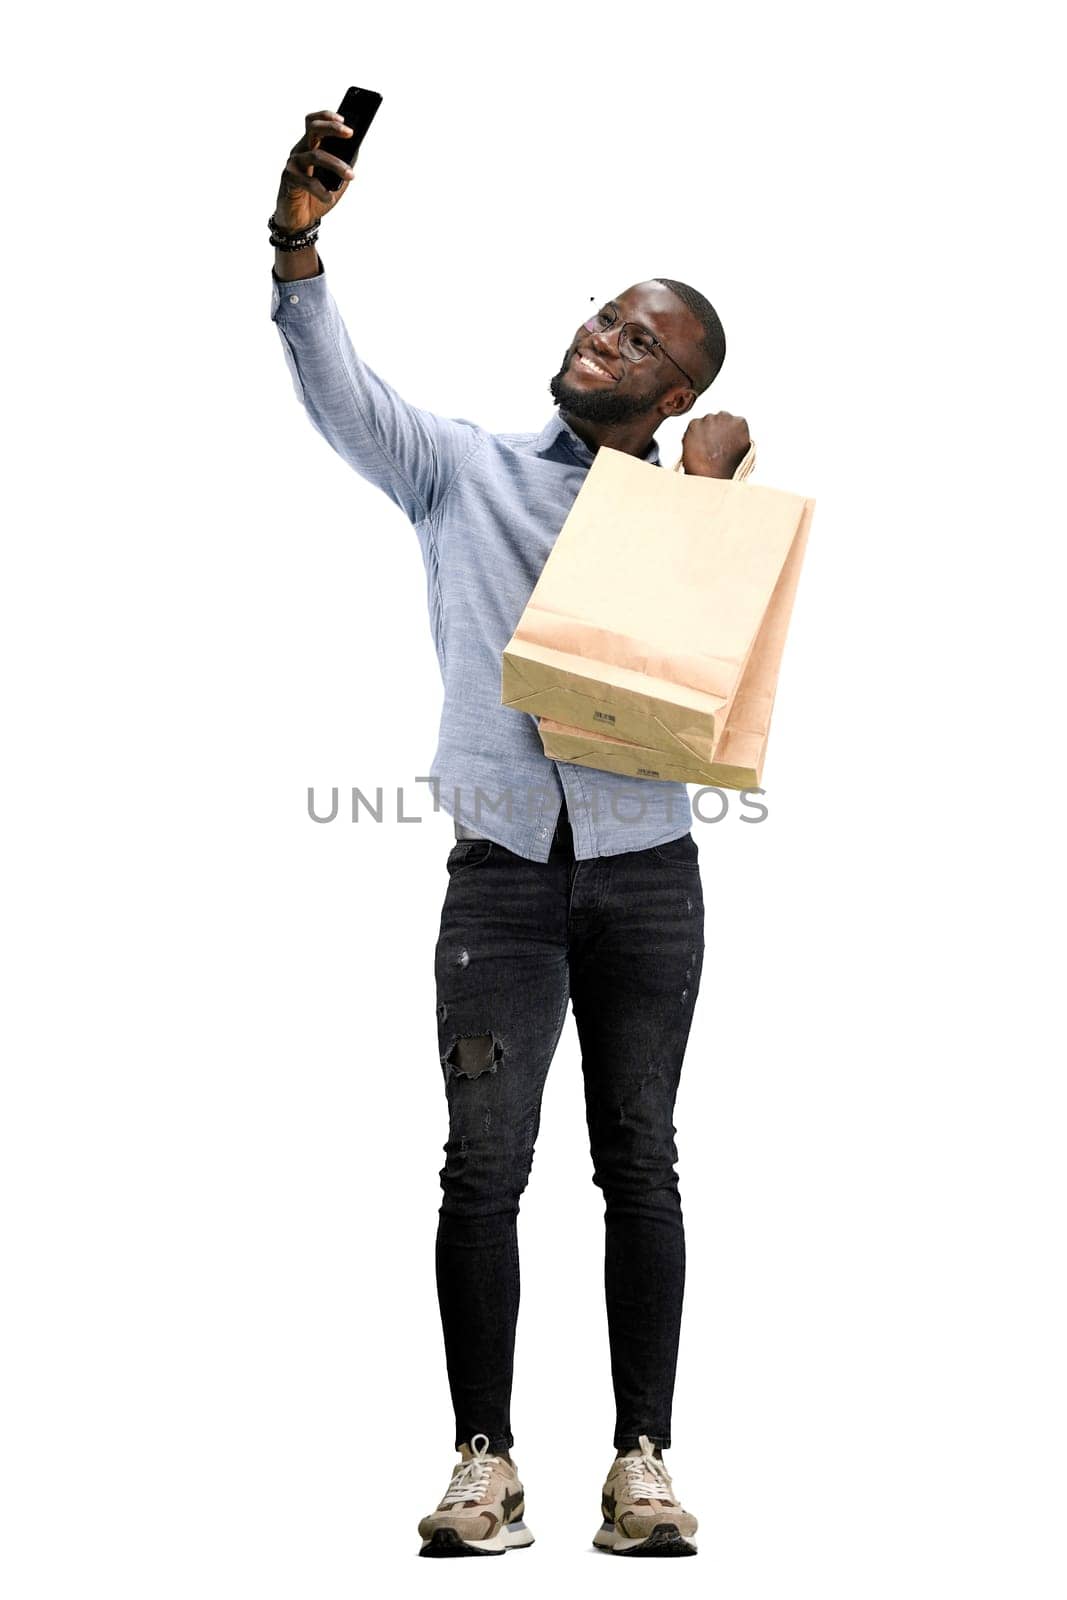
(597,405)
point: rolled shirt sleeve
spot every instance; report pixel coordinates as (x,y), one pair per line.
(411,454)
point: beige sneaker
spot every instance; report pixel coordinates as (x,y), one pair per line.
(481,1512)
(642,1516)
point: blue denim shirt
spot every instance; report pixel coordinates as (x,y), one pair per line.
(487,509)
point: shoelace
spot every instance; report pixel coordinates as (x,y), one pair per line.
(471,1478)
(647,1478)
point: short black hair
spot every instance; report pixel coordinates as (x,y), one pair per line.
(713,343)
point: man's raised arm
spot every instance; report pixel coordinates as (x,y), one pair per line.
(412,455)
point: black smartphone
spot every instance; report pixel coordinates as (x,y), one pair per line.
(358,108)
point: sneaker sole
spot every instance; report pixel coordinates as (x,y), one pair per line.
(664,1540)
(445,1542)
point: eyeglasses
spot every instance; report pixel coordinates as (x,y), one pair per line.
(635,342)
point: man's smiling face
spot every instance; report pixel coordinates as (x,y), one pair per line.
(598,383)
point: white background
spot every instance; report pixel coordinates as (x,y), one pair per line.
(223,1111)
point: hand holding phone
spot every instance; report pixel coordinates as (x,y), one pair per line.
(357,111)
(320,164)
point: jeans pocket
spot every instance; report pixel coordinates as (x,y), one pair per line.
(468,853)
(680,852)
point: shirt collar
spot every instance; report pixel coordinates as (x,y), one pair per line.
(557,432)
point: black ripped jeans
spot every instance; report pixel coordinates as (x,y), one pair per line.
(622,937)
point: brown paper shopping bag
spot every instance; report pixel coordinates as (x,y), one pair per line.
(649,605)
(740,752)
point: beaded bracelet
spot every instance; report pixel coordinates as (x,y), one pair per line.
(300,240)
(296,241)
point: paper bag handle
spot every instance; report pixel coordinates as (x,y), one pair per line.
(748,461)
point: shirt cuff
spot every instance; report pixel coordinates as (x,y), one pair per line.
(299,301)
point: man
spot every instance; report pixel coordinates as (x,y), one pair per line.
(563,884)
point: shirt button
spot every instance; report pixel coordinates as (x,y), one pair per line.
(294,299)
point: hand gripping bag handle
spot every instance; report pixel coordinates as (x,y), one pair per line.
(748,461)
